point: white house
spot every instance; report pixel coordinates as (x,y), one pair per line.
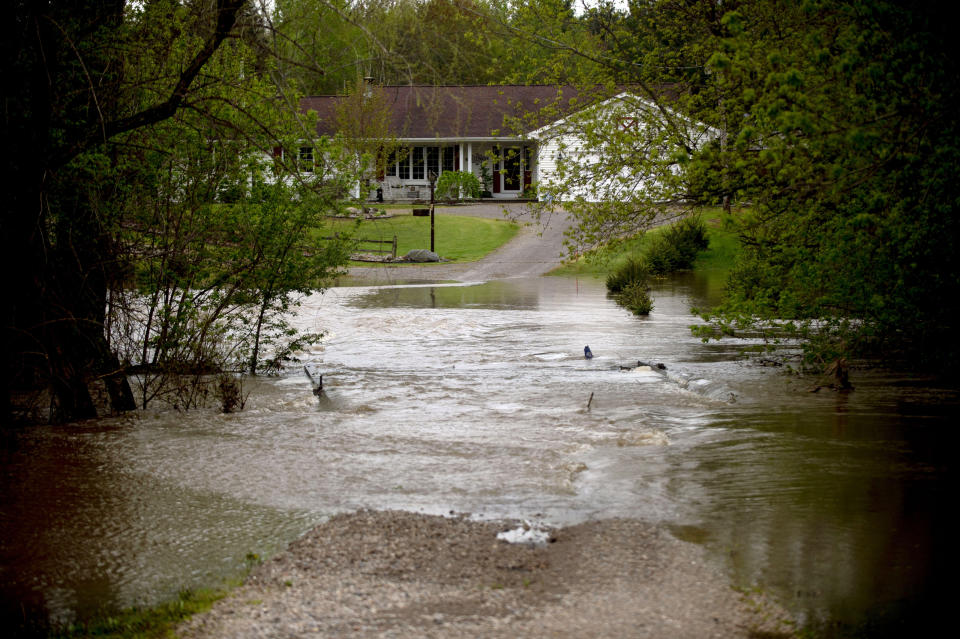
(511,137)
(619,148)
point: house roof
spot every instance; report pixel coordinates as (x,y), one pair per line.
(457,112)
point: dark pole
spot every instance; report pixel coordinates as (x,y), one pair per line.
(433,180)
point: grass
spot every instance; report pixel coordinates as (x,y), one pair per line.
(719,257)
(156,621)
(456,238)
(144,623)
(723,249)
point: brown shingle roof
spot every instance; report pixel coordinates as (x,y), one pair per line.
(428,112)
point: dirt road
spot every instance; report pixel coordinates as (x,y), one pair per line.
(407,575)
(535,250)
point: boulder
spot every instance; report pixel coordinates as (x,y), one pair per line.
(421,255)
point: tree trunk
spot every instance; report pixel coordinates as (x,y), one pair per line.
(60,92)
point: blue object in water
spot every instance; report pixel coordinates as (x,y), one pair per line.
(587,352)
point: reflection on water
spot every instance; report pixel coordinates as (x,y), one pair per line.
(474,398)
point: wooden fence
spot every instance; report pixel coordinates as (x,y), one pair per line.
(392,250)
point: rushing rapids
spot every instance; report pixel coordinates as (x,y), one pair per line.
(477,398)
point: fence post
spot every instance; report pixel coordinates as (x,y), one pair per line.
(394,247)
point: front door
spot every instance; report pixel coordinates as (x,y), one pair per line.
(511,173)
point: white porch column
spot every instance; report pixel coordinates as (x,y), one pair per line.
(460,161)
(470,157)
(355,190)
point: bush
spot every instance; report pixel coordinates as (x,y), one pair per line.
(636,297)
(629,285)
(673,249)
(455,185)
(677,246)
(229,391)
(635,269)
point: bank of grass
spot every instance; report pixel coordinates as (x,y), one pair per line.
(717,258)
(146,623)
(456,238)
(157,621)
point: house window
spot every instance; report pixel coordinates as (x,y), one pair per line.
(390,170)
(305,159)
(433,160)
(449,153)
(403,165)
(527,164)
(416,163)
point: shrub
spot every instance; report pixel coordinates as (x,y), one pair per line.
(229,391)
(636,297)
(455,185)
(635,269)
(677,246)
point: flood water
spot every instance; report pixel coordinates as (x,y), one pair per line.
(474,398)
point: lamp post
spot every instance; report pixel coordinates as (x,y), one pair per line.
(433,181)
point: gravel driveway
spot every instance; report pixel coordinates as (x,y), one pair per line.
(399,574)
(534,250)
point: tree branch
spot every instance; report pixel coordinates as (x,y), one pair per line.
(227,11)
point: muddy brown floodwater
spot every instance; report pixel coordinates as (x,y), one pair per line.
(472,398)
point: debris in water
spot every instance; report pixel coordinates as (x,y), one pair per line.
(317,383)
(644,366)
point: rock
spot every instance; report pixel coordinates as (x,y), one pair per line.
(657,367)
(421,255)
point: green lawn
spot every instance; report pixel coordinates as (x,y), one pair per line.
(456,238)
(719,256)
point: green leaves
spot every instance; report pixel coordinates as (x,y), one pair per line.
(836,125)
(456,185)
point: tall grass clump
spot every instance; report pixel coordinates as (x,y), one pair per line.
(629,284)
(635,297)
(677,246)
(673,248)
(635,269)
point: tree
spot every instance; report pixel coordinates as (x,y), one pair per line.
(364,120)
(528,42)
(131,121)
(322,47)
(429,42)
(835,126)
(64,90)
(292,258)
(618,166)
(222,220)
(842,134)
(328,46)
